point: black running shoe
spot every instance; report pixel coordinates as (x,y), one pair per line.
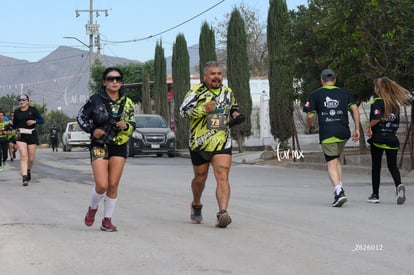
(374,198)
(223,219)
(340,199)
(196,216)
(25,181)
(400,194)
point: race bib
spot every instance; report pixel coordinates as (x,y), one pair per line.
(25,131)
(217,121)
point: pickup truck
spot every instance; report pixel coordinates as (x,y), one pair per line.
(74,136)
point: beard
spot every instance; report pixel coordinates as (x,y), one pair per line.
(215,83)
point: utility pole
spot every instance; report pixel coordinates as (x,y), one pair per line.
(91,30)
(98,46)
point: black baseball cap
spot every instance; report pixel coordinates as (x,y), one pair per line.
(328,74)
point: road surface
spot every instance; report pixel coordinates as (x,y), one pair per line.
(282,222)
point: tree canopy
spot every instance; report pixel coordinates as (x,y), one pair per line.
(238,74)
(280,76)
(160,82)
(207,48)
(362,40)
(181,79)
(133,73)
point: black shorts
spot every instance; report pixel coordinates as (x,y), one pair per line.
(200,157)
(12,140)
(107,151)
(28,138)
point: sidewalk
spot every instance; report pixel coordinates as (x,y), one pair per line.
(312,159)
(248,157)
(352,163)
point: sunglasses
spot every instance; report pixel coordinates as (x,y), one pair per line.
(112,78)
(22,99)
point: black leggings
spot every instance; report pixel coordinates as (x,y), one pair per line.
(376,156)
(4,148)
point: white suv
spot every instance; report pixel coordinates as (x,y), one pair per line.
(74,136)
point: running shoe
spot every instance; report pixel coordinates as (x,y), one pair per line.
(196,216)
(400,194)
(340,199)
(25,181)
(90,216)
(108,226)
(29,175)
(374,198)
(223,219)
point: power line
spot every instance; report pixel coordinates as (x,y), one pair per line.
(42,61)
(41,82)
(167,30)
(26,45)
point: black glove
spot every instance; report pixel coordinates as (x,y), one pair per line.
(237,120)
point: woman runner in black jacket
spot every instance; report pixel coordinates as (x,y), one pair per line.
(382,129)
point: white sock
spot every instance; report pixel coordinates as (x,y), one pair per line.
(95,198)
(109,206)
(338,188)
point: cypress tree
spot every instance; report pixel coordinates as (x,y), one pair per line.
(160,82)
(207,47)
(280,80)
(238,74)
(181,79)
(146,94)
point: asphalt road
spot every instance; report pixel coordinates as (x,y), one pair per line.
(282,222)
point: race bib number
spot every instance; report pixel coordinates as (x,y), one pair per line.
(25,131)
(217,121)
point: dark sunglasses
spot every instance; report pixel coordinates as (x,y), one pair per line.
(22,99)
(112,78)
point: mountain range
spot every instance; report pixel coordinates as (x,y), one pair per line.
(60,80)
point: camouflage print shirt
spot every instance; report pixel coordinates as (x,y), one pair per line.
(95,114)
(205,134)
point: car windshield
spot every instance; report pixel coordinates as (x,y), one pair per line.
(150,122)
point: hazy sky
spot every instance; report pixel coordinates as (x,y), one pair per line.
(32,29)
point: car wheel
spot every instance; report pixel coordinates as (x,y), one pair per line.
(171,155)
(159,155)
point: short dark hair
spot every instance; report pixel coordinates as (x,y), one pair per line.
(110,69)
(28,99)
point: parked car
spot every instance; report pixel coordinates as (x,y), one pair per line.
(74,136)
(152,136)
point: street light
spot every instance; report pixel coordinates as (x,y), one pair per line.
(90,47)
(80,41)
